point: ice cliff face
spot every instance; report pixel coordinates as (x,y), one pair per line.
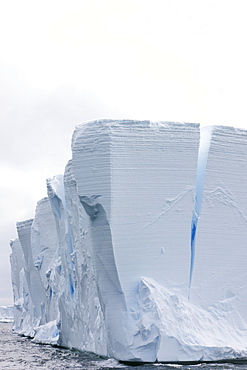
(139,250)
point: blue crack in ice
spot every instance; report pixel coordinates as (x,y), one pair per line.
(192,247)
(201,172)
(71,285)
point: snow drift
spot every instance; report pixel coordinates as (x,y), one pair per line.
(139,250)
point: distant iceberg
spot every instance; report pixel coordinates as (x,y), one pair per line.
(139,251)
(6,314)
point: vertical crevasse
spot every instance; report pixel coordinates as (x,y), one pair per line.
(205,137)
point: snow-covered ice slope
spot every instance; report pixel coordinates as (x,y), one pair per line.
(138,252)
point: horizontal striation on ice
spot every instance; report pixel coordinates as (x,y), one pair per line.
(153,172)
(32,276)
(134,188)
(146,215)
(220,275)
(22,301)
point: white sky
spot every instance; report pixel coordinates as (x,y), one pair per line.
(64,62)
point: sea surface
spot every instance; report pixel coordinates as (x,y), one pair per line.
(18,352)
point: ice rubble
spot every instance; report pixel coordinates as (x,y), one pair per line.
(139,250)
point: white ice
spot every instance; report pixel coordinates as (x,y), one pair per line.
(139,250)
(6,314)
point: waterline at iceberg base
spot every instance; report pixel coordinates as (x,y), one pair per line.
(139,251)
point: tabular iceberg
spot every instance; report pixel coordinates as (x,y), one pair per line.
(139,250)
(6,314)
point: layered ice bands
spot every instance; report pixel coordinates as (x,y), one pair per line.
(220,275)
(136,182)
(143,218)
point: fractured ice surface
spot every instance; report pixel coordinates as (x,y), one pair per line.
(139,250)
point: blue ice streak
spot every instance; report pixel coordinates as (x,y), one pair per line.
(200,178)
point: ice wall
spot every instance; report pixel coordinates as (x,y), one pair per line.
(138,252)
(221,237)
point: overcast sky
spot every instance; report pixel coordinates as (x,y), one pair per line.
(64,62)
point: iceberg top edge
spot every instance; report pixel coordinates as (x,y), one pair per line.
(104,126)
(43,200)
(12,241)
(55,185)
(230,129)
(24,223)
(113,122)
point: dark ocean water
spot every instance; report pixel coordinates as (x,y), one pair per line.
(18,352)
